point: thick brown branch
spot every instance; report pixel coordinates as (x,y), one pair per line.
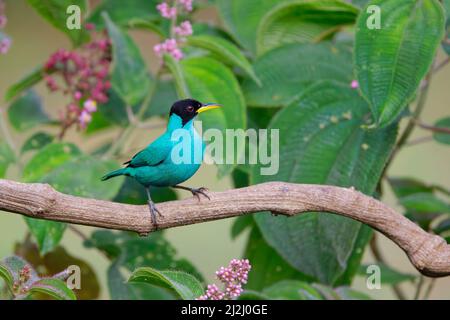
(429,253)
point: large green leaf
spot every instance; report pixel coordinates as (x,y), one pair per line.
(292,290)
(286,71)
(243,17)
(122,14)
(267,265)
(425,202)
(25,83)
(86,182)
(388,275)
(321,142)
(183,284)
(55,12)
(55,288)
(37,141)
(303,21)
(446,42)
(391,61)
(48,234)
(7,158)
(210,81)
(27,112)
(130,78)
(133,252)
(225,50)
(442,137)
(47,159)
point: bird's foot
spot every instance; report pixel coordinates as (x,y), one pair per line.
(196,192)
(153,212)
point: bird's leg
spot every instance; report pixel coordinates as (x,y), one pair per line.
(152,207)
(196,192)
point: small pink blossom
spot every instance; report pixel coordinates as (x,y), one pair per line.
(5,44)
(184,29)
(3,21)
(90,105)
(169,46)
(232,277)
(166,11)
(89,26)
(354,84)
(77,95)
(84,119)
(187,4)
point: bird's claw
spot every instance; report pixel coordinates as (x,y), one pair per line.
(153,211)
(196,192)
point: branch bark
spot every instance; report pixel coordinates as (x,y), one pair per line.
(429,253)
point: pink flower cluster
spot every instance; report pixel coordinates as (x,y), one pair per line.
(232,277)
(5,41)
(84,77)
(171,46)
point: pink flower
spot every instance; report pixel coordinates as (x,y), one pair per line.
(84,119)
(187,4)
(90,105)
(5,44)
(354,84)
(184,29)
(169,46)
(232,278)
(77,95)
(89,26)
(3,21)
(166,11)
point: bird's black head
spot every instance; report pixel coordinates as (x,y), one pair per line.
(188,109)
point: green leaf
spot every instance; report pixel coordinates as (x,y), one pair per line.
(165,94)
(87,182)
(7,157)
(55,288)
(424,202)
(446,42)
(321,142)
(48,234)
(210,81)
(267,265)
(25,83)
(133,252)
(225,51)
(252,295)
(122,15)
(26,112)
(241,224)
(121,290)
(292,290)
(286,71)
(346,293)
(302,22)
(10,268)
(243,17)
(442,137)
(391,61)
(55,12)
(406,186)
(442,227)
(183,284)
(47,159)
(37,141)
(388,275)
(129,78)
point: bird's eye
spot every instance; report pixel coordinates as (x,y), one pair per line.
(190,109)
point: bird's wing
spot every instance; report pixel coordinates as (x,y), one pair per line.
(154,154)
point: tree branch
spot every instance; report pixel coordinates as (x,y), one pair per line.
(429,253)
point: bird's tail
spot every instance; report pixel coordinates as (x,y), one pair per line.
(115,173)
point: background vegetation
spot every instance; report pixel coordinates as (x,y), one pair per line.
(290,65)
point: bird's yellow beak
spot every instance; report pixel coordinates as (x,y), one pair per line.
(208,106)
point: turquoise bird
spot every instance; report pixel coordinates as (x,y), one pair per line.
(157,165)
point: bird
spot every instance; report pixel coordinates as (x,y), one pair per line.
(155,165)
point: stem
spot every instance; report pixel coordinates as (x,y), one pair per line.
(433,128)
(430,287)
(419,287)
(379,258)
